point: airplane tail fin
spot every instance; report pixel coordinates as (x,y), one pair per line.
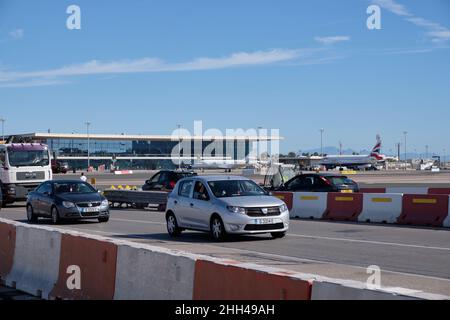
(376,151)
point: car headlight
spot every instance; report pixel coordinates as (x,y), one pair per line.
(68,204)
(105,203)
(234,209)
(283,208)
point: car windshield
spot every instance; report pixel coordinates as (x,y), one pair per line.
(235,188)
(337,181)
(73,187)
(25,158)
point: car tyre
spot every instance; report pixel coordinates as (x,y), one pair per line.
(278,235)
(55,216)
(31,217)
(103,219)
(218,231)
(172,225)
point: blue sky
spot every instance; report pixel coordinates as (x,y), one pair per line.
(145,66)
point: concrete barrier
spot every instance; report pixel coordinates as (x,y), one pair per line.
(428,210)
(335,289)
(381,208)
(7,247)
(145,273)
(216,280)
(287,197)
(447,220)
(309,205)
(344,207)
(96,258)
(36,260)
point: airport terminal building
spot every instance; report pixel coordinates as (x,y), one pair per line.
(143,152)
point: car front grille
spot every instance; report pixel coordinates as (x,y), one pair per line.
(86,204)
(264,227)
(258,212)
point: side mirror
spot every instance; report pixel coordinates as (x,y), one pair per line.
(147,181)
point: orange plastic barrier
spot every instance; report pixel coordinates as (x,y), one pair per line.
(287,197)
(97,262)
(429,210)
(344,207)
(223,282)
(7,247)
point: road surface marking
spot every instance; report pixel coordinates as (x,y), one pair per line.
(367,241)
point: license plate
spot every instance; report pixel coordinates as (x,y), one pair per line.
(346,191)
(87,210)
(264,221)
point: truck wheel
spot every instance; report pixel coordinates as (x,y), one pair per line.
(31,217)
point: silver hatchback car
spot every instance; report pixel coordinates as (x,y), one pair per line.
(225,205)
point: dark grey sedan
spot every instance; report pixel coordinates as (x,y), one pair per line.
(66,199)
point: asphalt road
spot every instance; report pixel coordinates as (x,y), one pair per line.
(413,258)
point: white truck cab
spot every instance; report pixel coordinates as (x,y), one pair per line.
(23,166)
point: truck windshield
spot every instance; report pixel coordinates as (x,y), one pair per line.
(28,158)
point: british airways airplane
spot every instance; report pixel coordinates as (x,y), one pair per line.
(356,161)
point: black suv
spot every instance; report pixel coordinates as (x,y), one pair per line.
(165,180)
(320,182)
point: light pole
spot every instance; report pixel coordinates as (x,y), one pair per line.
(426,152)
(258,145)
(321,141)
(2,120)
(405,133)
(179,147)
(88,124)
(444,158)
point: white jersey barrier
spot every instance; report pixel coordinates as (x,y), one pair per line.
(145,273)
(336,289)
(309,205)
(381,208)
(36,260)
(447,220)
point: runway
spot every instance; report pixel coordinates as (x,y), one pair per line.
(365,179)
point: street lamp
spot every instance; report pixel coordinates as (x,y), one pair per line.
(444,158)
(405,133)
(179,147)
(258,144)
(321,141)
(88,124)
(2,120)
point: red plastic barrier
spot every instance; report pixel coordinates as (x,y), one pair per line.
(373,190)
(7,248)
(344,207)
(428,210)
(97,262)
(287,197)
(223,282)
(445,191)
